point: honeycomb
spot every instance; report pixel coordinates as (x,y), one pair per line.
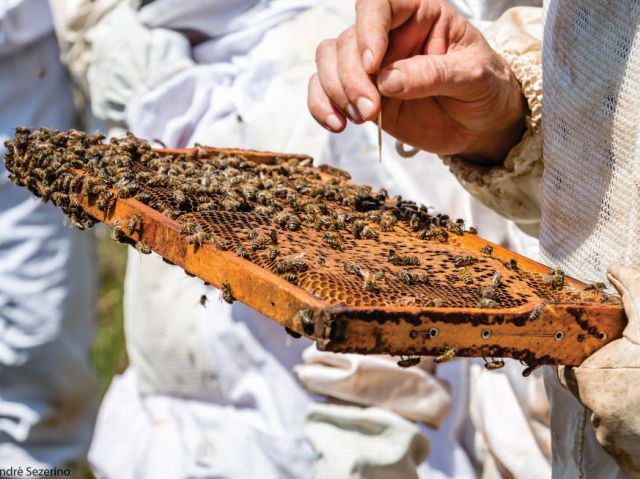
(338,244)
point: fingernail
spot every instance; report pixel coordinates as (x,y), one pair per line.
(334,122)
(367,60)
(353,113)
(392,80)
(365,107)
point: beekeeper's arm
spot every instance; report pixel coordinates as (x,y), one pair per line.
(446,91)
(111,54)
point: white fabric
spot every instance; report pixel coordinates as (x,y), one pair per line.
(511,415)
(265,86)
(22,22)
(413,393)
(47,273)
(152,56)
(369,443)
(169,356)
(591,200)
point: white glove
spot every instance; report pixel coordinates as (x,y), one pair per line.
(414,393)
(369,443)
(127,57)
(608,382)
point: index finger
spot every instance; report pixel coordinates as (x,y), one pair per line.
(374,20)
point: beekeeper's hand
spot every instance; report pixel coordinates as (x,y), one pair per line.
(371,380)
(446,90)
(608,382)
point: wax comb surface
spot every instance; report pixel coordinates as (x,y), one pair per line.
(335,261)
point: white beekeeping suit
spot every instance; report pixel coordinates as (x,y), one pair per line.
(213,381)
(47,274)
(581,188)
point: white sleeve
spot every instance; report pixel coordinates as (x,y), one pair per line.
(514,188)
(111,54)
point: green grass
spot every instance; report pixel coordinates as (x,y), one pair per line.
(108,354)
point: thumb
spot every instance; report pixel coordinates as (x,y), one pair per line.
(429,75)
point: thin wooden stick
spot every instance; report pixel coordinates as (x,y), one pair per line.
(380,134)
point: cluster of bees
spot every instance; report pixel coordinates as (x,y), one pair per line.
(61,166)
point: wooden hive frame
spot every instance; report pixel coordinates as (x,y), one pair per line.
(563,333)
(415,284)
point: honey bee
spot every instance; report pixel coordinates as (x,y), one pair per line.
(352,268)
(466,277)
(188,228)
(369,233)
(373,215)
(462,261)
(487,249)
(259,243)
(332,240)
(306,321)
(104,200)
(135,224)
(409,361)
(554,279)
(76,183)
(488,303)
(405,260)
(264,210)
(117,234)
(292,265)
(436,303)
(434,233)
(292,277)
(225,292)
(128,191)
(322,260)
(448,355)
(141,247)
(387,221)
(473,230)
(243,253)
(293,223)
(273,254)
(409,277)
(371,280)
(535,314)
(529,369)
(493,364)
(512,264)
(253,234)
(197,238)
(273,236)
(143,197)
(74,201)
(596,287)
(357,227)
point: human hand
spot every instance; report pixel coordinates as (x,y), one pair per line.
(443,88)
(607,381)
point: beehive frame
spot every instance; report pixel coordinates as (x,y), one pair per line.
(569,326)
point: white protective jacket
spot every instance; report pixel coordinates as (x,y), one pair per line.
(580,191)
(48,392)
